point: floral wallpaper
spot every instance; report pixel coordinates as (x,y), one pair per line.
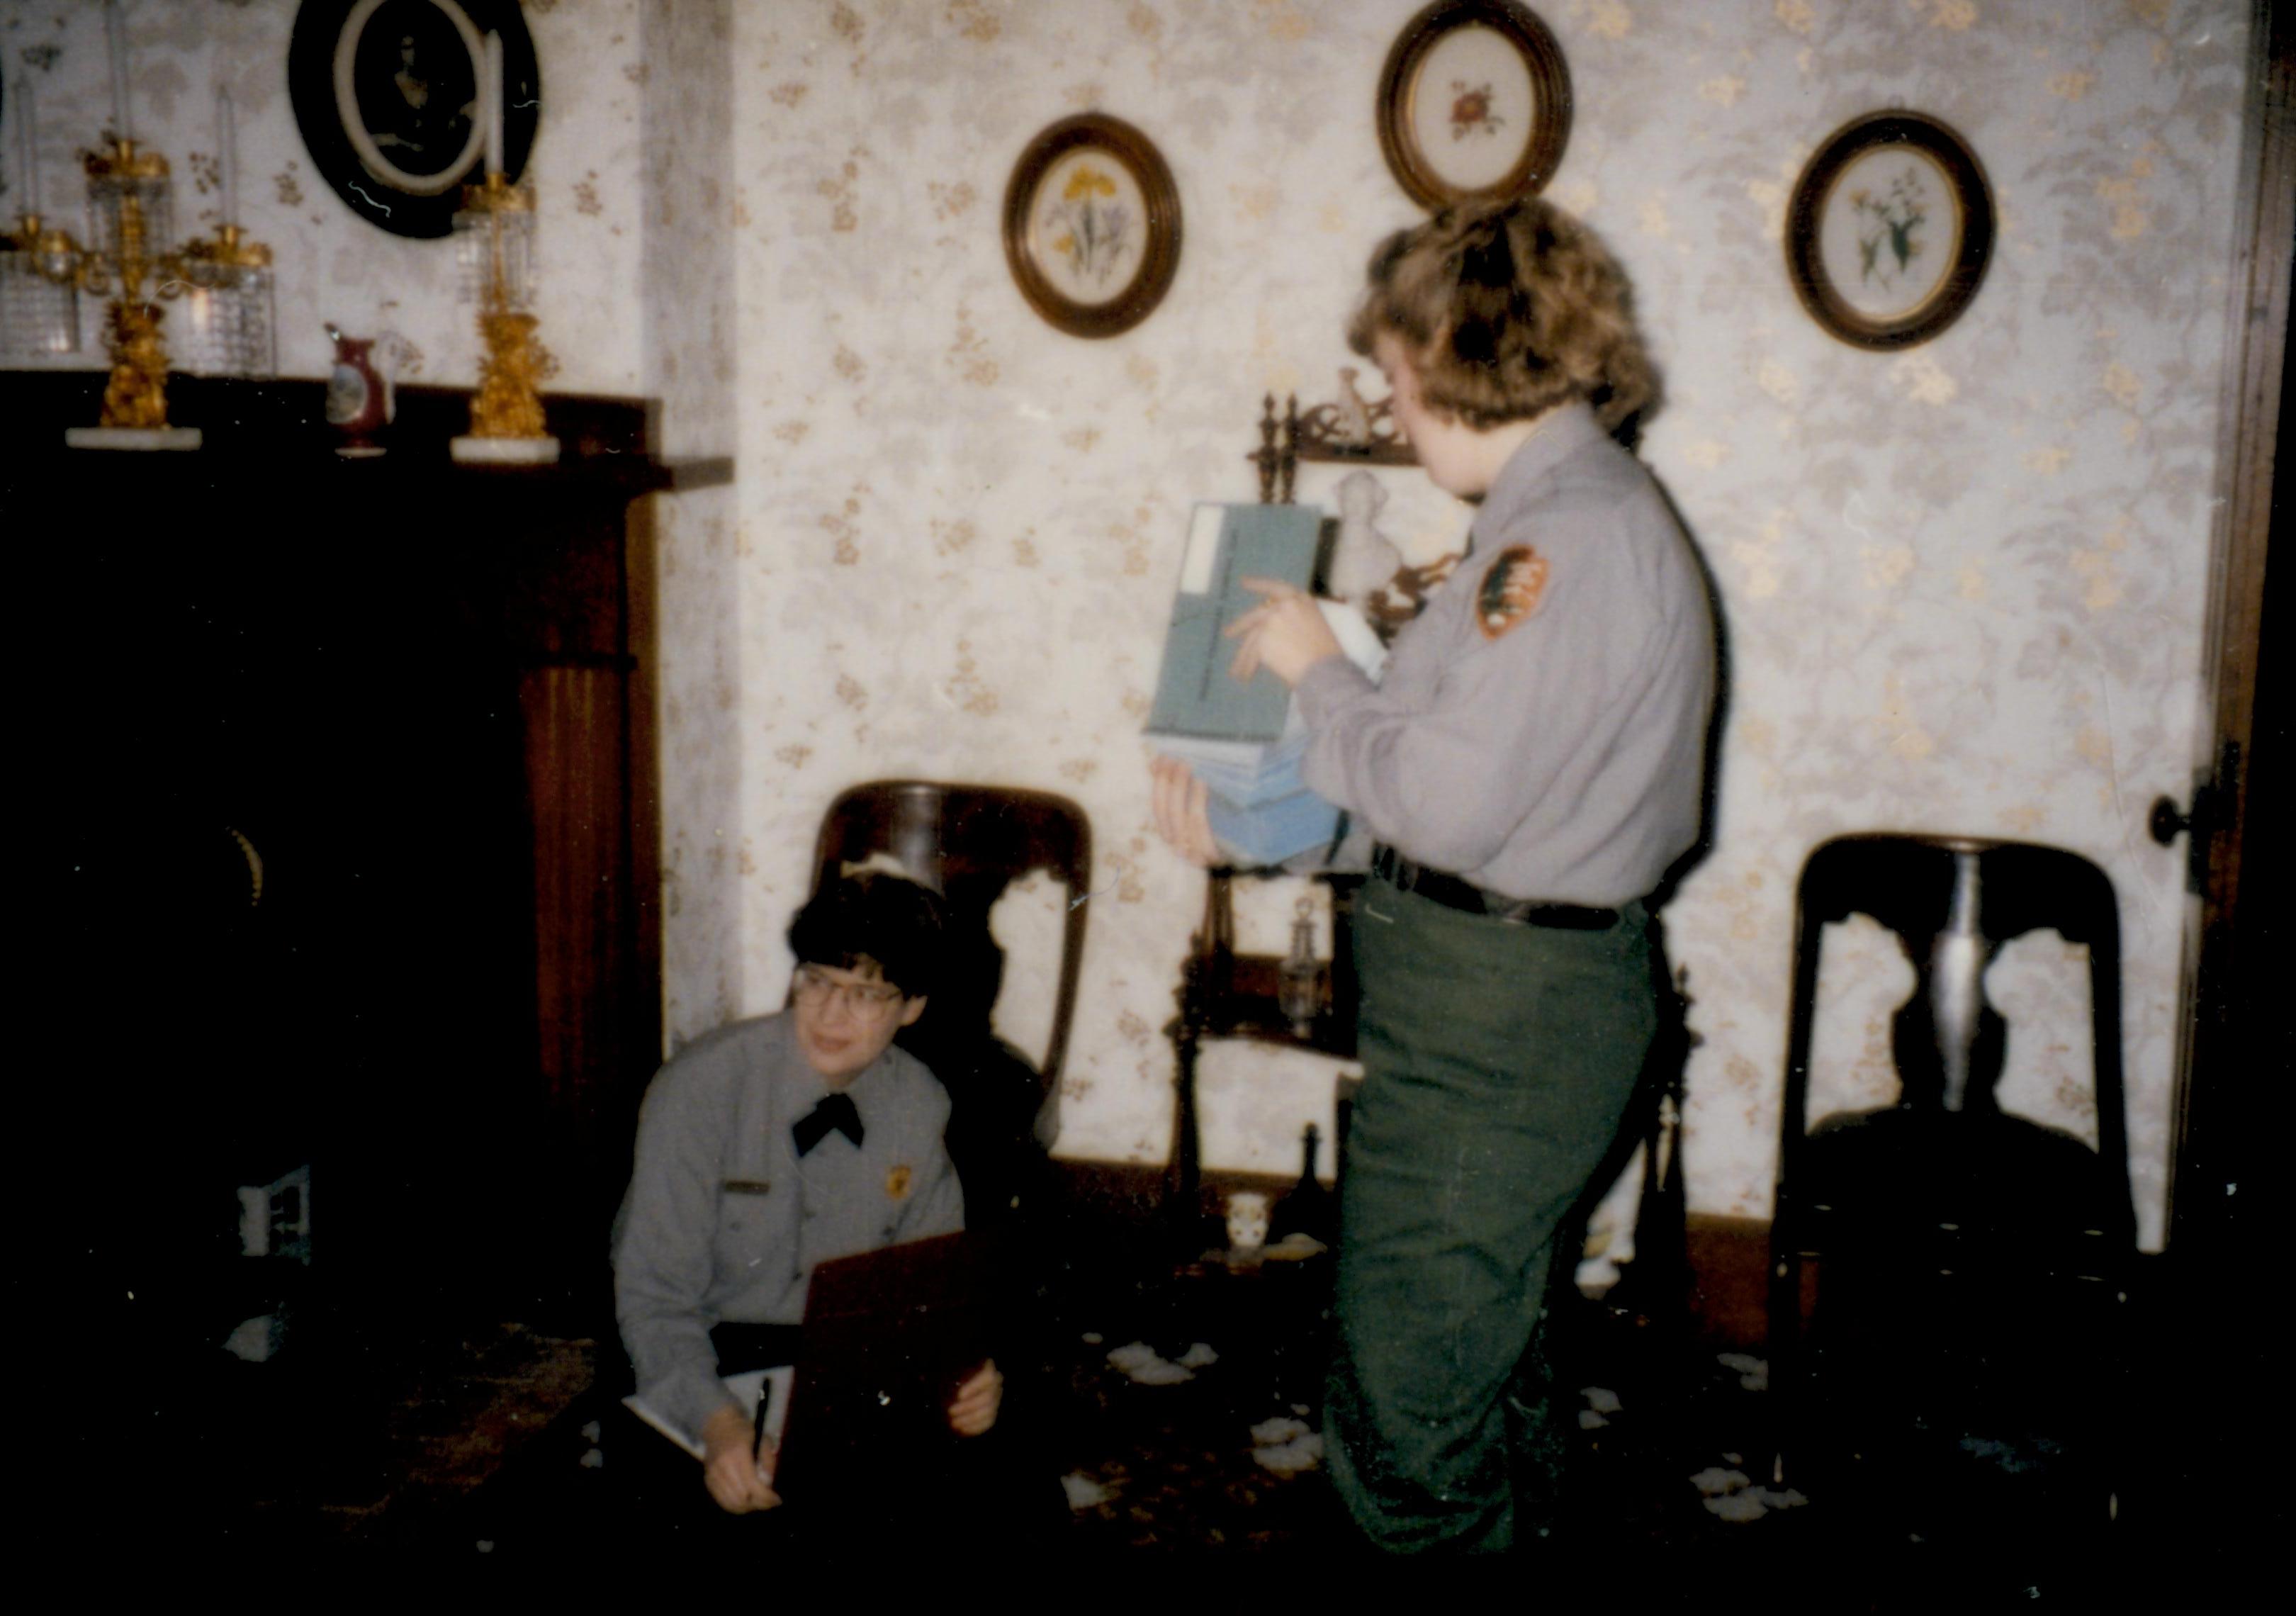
(1962,585)
(691,358)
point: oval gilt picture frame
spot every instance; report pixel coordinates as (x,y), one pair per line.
(386,93)
(1889,230)
(1092,226)
(1475,102)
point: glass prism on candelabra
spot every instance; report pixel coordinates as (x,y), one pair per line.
(130,203)
(494,241)
(39,302)
(225,327)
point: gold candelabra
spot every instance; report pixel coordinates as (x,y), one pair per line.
(128,193)
(495,228)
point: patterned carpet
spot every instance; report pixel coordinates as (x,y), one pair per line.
(1179,1404)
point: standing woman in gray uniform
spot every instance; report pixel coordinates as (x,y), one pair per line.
(1530,767)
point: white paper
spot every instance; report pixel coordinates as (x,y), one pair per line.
(1358,641)
(772,1384)
(1203,550)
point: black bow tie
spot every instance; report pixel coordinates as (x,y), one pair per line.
(836,1113)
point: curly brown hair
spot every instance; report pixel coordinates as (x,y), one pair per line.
(1507,310)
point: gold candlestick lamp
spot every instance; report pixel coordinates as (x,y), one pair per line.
(495,233)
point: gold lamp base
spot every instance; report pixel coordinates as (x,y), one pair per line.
(506,421)
(135,398)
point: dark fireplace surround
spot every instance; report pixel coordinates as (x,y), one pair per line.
(354,859)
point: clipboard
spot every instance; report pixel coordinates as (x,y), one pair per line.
(890,1335)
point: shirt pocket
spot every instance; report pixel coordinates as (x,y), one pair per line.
(747,1211)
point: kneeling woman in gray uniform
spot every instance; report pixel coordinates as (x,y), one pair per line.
(776,1143)
(1530,767)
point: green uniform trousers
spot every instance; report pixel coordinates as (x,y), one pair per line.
(1498,1061)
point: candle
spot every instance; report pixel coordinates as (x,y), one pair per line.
(115,39)
(491,96)
(228,155)
(28,147)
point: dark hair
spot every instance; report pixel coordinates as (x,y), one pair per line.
(873,919)
(1507,310)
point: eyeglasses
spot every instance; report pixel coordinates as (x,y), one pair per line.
(815,987)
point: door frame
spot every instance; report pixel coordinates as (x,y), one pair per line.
(2226,1080)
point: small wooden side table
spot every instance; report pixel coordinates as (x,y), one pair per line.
(1223,994)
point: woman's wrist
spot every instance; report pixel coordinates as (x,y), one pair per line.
(727,1427)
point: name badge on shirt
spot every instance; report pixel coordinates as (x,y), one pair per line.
(1511,591)
(896,1182)
(747,1187)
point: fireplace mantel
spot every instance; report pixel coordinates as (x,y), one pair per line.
(423,696)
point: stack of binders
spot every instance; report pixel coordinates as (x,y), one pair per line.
(1243,740)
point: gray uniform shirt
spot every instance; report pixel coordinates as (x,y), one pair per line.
(724,1221)
(1549,753)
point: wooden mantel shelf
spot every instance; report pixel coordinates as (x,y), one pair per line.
(282,426)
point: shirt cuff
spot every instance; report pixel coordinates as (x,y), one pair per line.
(1327,687)
(688,1397)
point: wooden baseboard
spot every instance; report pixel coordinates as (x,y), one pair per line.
(1728,1257)
(1131,1193)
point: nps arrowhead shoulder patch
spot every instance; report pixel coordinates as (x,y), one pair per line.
(1511,588)
(897,1182)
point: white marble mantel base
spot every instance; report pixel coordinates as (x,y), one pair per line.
(132,437)
(505,451)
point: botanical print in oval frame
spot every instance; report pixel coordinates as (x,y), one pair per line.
(1092,226)
(1475,102)
(1889,230)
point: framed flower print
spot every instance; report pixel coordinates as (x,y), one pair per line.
(1092,226)
(1475,102)
(1889,230)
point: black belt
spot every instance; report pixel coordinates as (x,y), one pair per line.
(742,1348)
(1452,893)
